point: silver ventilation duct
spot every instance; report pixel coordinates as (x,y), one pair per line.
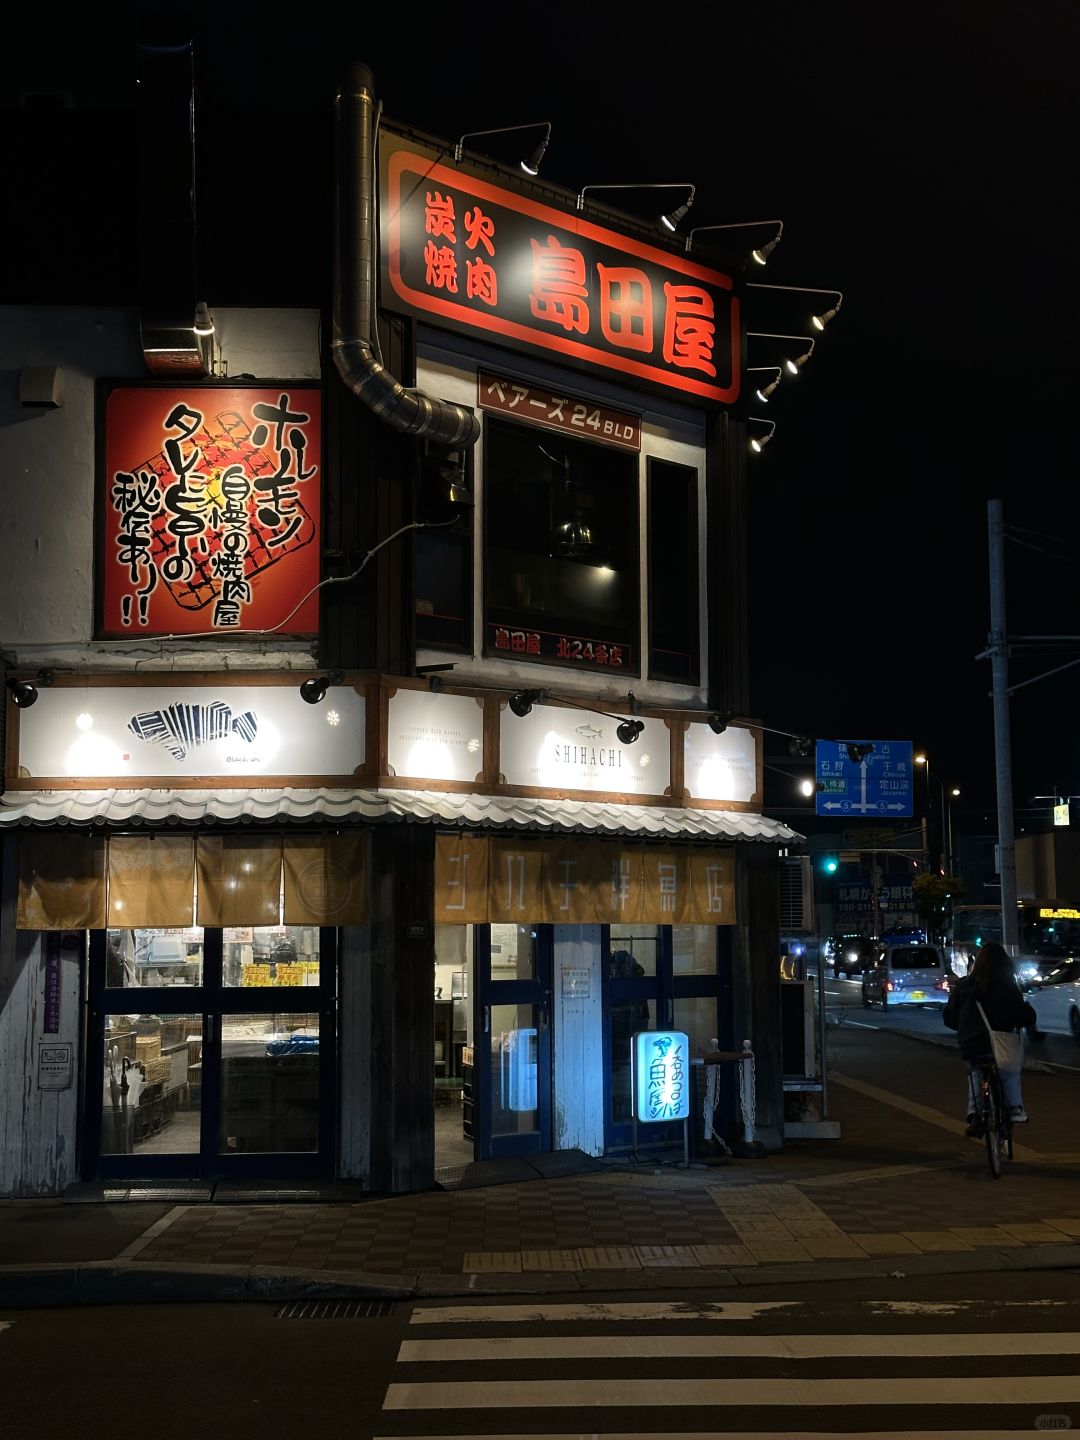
(410,411)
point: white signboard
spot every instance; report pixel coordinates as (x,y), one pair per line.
(562,749)
(54,1066)
(127,731)
(720,767)
(433,736)
(661,1075)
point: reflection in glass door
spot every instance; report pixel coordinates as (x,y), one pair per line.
(655,977)
(513,1039)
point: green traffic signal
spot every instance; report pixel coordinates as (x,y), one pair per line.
(830,864)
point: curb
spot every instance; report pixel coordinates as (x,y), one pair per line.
(104,1282)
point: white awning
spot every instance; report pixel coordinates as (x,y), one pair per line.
(156,808)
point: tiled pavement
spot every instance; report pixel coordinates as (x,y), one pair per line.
(621,1221)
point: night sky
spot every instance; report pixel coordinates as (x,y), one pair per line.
(922,158)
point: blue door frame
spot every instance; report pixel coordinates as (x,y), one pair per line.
(626,999)
(512,1068)
(214,1002)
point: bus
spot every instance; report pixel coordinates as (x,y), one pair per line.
(1048,931)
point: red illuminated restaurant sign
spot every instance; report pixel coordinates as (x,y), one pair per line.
(540,406)
(546,645)
(475,257)
(208,510)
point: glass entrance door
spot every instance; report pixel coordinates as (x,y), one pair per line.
(658,977)
(513,1039)
(211,1053)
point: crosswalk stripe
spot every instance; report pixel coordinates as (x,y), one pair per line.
(622,1310)
(1040,1390)
(690,1347)
(738,1435)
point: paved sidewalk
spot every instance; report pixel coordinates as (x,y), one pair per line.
(904,1189)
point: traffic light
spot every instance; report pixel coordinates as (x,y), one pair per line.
(830,863)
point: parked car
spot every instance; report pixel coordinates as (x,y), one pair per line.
(906,975)
(1055,997)
(853,954)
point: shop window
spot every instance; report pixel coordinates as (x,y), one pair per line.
(627,1018)
(269,1083)
(693,949)
(270,955)
(151,1101)
(632,951)
(513,952)
(136,959)
(561,567)
(696,1017)
(673,572)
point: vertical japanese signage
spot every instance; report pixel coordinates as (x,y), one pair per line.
(477,257)
(209,510)
(51,1017)
(661,1075)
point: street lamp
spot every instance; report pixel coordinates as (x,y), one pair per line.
(946,813)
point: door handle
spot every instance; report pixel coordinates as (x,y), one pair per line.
(487,1020)
(209,1024)
(542,1017)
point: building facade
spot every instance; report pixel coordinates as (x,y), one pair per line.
(377,763)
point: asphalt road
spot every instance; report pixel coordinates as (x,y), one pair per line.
(920,1356)
(843,1003)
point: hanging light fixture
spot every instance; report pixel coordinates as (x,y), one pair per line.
(762,253)
(629,730)
(204,321)
(717,723)
(668,221)
(758,442)
(821,318)
(792,366)
(531,163)
(763,392)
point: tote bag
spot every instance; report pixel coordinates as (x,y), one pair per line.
(1007,1045)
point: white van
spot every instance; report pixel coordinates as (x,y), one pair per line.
(906,975)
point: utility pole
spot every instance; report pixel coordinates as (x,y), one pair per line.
(998,650)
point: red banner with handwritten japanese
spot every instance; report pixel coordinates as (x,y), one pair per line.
(209,510)
(477,257)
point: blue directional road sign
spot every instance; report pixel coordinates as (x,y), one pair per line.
(880,786)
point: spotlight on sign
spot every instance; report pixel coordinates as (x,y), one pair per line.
(313,691)
(523,701)
(629,730)
(717,724)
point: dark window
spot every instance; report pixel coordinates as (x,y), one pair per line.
(442,557)
(673,572)
(561,569)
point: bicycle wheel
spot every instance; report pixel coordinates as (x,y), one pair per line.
(991,1117)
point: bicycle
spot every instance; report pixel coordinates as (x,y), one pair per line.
(993,1120)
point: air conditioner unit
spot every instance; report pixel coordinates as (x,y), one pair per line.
(796,895)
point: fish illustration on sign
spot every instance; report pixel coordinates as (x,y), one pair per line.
(183,727)
(590,732)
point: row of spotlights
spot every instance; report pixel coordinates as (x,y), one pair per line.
(522,702)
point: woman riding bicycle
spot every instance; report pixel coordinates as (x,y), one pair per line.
(991,984)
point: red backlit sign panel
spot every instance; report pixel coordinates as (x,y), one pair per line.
(473,256)
(208,510)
